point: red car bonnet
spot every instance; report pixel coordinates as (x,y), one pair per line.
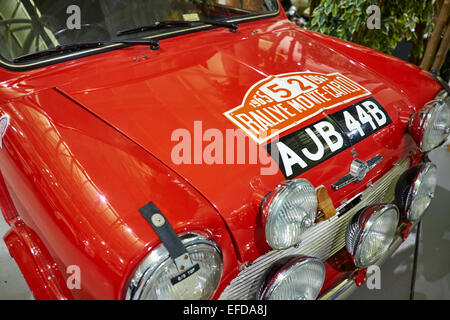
(148,95)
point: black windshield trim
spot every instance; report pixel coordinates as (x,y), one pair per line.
(59,49)
(9,65)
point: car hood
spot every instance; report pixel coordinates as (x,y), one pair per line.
(185,89)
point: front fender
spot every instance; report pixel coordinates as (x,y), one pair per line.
(77,183)
(415,84)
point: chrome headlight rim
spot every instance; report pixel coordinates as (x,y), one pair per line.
(362,223)
(158,256)
(281,269)
(421,122)
(275,198)
(417,176)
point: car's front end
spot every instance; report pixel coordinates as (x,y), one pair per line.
(267,163)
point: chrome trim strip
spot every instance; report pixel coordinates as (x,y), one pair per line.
(341,291)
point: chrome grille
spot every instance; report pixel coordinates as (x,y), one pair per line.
(321,241)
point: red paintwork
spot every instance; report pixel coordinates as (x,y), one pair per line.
(78,183)
(89,144)
(337,268)
(407,230)
(360,277)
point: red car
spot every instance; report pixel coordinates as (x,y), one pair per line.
(204,150)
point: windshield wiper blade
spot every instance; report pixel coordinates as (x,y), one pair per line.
(177,24)
(154,45)
(59,49)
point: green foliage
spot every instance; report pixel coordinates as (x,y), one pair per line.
(347,20)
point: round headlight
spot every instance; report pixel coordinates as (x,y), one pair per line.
(430,126)
(152,279)
(371,232)
(415,190)
(288,211)
(293,279)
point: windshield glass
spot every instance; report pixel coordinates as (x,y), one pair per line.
(28,26)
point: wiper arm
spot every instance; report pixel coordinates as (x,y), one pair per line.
(177,24)
(154,45)
(58,49)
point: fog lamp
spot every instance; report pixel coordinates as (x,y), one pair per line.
(371,232)
(415,190)
(293,278)
(430,126)
(288,211)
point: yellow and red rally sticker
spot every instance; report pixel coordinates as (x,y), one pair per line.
(277,103)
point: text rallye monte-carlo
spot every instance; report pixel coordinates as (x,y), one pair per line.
(205,150)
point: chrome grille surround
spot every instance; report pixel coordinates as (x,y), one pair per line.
(321,241)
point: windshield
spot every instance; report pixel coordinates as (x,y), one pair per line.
(29,26)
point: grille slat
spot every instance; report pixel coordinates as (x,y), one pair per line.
(321,241)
